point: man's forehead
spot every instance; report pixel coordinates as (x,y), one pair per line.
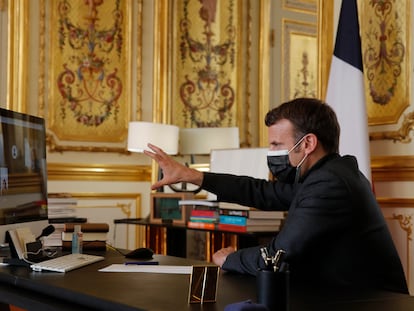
(281,132)
(282,127)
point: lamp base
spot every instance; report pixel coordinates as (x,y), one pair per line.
(184,188)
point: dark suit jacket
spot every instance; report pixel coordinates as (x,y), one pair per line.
(334,234)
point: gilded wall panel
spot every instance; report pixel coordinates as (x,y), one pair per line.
(206,50)
(386,56)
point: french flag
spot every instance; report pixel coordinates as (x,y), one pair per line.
(345,92)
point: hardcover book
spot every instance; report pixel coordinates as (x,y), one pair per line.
(237,228)
(87,227)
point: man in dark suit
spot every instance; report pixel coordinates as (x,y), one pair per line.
(335,234)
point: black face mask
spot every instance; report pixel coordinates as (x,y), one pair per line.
(280,167)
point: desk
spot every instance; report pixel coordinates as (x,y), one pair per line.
(88,289)
(169,239)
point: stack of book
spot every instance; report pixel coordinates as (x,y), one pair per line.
(204,214)
(55,238)
(61,206)
(239,218)
(95,235)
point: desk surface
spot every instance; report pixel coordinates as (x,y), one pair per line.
(88,289)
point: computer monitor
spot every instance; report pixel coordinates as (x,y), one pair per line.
(23,172)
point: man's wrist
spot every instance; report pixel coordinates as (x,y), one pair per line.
(195,177)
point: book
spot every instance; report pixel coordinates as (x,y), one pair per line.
(91,245)
(253,213)
(55,238)
(233,206)
(260,214)
(17,247)
(198,203)
(87,236)
(203,219)
(61,207)
(87,227)
(233,212)
(204,213)
(61,220)
(264,222)
(245,221)
(201,225)
(237,228)
(61,201)
(233,220)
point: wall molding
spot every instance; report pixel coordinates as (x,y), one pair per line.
(395,202)
(99,172)
(384,168)
(392,168)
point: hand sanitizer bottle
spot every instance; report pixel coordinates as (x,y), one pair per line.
(77,240)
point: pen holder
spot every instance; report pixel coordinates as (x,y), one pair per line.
(272,289)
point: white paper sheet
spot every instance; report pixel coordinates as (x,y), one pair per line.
(149,269)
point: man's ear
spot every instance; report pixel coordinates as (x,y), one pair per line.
(311,142)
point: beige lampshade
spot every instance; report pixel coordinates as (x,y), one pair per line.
(202,140)
(164,136)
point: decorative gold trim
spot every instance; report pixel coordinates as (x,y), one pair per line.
(202,167)
(61,61)
(396,202)
(18,30)
(397,23)
(291,30)
(162,22)
(395,168)
(405,223)
(264,64)
(125,208)
(401,135)
(42,59)
(139,61)
(244,120)
(108,172)
(161,46)
(53,146)
(307,7)
(325,43)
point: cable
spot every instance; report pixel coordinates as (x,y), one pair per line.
(48,254)
(115,249)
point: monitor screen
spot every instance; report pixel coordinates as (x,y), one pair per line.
(23,172)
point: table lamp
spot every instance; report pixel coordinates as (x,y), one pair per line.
(201,140)
(161,135)
(164,136)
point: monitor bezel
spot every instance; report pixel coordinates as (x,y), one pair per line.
(36,225)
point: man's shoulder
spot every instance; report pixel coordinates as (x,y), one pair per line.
(342,170)
(334,167)
(338,162)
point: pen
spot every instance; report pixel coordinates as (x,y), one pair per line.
(142,263)
(277,259)
(265,255)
